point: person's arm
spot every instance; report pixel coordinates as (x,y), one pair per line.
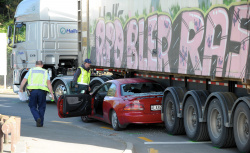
(76,75)
(50,89)
(22,84)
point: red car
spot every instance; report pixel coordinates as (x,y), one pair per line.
(118,102)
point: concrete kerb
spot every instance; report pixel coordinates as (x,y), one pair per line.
(22,148)
(129,146)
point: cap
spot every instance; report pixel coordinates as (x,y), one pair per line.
(87,61)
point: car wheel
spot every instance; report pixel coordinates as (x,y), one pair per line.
(115,121)
(85,119)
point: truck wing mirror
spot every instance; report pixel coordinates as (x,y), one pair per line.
(9,41)
(9,32)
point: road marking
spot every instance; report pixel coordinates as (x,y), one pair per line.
(61,122)
(107,128)
(133,133)
(187,142)
(4,105)
(145,139)
(152,150)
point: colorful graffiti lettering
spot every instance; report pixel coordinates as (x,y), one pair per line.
(215,44)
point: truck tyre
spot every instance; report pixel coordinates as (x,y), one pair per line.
(27,92)
(173,124)
(241,127)
(220,135)
(97,81)
(195,130)
(114,121)
(59,89)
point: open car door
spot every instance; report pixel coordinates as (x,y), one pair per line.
(74,105)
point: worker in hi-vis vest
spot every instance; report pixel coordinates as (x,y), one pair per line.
(38,86)
(82,77)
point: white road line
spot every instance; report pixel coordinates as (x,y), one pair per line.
(168,143)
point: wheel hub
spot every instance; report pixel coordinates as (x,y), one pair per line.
(194,121)
(218,123)
(59,90)
(172,114)
(246,128)
(114,120)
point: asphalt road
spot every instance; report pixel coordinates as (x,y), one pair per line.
(72,131)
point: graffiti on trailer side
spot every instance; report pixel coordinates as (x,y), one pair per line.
(213,44)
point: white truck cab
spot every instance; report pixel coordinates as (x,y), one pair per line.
(44,30)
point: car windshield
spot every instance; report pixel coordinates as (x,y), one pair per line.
(141,88)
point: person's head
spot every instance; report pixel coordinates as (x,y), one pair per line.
(87,63)
(39,64)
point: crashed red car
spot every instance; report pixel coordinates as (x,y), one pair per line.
(117,102)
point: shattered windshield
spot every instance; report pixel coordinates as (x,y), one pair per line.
(141,88)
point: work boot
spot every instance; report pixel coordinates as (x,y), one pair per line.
(38,122)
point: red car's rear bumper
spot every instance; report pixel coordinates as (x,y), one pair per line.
(139,117)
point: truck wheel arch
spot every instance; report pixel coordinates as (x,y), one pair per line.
(237,102)
(226,100)
(200,97)
(178,94)
(58,79)
(23,73)
(99,81)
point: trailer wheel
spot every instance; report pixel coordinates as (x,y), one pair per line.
(241,127)
(59,89)
(97,81)
(220,135)
(173,124)
(195,130)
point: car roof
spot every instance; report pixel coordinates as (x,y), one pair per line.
(130,80)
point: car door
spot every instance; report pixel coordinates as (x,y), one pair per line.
(109,101)
(74,105)
(99,95)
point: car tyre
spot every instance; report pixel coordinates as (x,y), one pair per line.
(85,119)
(114,121)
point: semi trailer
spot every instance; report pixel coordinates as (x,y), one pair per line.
(197,49)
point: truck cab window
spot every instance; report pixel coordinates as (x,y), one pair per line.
(20,33)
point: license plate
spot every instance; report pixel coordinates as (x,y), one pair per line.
(155,107)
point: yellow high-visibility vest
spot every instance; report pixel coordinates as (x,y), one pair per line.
(84,77)
(38,79)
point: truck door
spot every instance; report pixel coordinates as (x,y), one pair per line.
(74,105)
(19,51)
